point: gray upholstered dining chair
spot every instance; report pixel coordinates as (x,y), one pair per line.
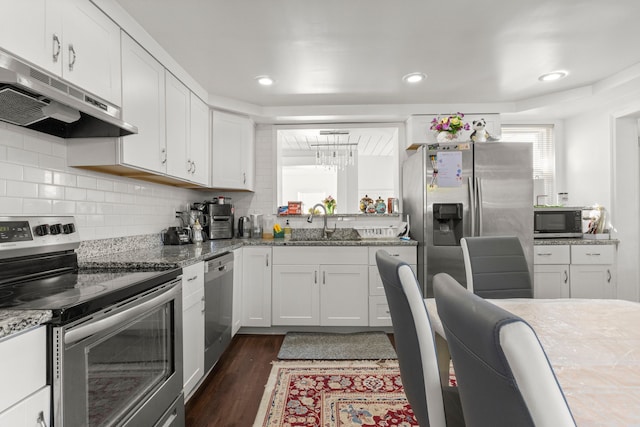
(434,404)
(503,374)
(496,267)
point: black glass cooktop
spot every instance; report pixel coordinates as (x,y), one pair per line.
(74,294)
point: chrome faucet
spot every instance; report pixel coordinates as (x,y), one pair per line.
(325,230)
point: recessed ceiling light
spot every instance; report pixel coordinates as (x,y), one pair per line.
(414,77)
(265,80)
(554,75)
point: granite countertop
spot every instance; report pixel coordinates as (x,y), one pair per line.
(576,241)
(162,257)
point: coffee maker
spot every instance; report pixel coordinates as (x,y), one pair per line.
(220,225)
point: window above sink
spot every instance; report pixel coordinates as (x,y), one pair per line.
(370,164)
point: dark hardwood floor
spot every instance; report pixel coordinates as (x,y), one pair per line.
(231,394)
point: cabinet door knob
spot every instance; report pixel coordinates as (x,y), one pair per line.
(566,276)
(608,276)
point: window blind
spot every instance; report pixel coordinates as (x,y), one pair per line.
(541,136)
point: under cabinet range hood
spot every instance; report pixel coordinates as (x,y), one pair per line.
(39,101)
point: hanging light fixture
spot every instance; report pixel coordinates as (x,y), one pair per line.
(336,151)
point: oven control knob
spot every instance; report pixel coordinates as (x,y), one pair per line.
(42,230)
(69,228)
(55,229)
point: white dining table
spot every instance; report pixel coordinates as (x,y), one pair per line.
(593,347)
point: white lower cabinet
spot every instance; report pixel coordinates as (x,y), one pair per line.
(296,295)
(378,307)
(331,291)
(551,271)
(574,271)
(31,411)
(193,326)
(25,398)
(256,286)
(592,271)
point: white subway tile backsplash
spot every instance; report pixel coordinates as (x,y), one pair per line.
(3,153)
(9,138)
(105,185)
(37,206)
(9,171)
(23,157)
(95,195)
(121,187)
(42,176)
(63,207)
(87,182)
(59,149)
(46,191)
(87,208)
(3,187)
(112,197)
(51,162)
(10,206)
(39,145)
(22,189)
(75,193)
(66,179)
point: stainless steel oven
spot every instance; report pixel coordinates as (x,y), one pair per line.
(119,366)
(115,338)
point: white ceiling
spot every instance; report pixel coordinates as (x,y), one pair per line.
(355,52)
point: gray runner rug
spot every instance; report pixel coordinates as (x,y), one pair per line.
(335,346)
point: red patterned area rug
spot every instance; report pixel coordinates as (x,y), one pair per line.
(335,394)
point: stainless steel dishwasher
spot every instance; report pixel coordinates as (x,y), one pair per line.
(218,303)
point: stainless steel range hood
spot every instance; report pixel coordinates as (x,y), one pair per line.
(40,101)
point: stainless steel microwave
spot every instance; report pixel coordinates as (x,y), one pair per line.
(557,222)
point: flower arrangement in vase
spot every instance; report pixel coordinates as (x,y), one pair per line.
(329,204)
(449,127)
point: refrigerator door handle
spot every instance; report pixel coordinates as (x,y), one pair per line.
(472,207)
(479,192)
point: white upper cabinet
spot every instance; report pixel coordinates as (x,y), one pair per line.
(72,39)
(143,95)
(199,145)
(39,41)
(232,156)
(187,133)
(178,127)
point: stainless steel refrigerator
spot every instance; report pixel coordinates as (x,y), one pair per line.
(450,191)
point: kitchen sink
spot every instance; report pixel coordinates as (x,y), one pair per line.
(315,234)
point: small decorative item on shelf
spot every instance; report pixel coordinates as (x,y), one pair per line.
(330,205)
(294,208)
(380,205)
(448,128)
(365,202)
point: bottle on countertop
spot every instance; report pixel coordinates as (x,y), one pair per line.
(287,230)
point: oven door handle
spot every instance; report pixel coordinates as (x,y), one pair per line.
(81,332)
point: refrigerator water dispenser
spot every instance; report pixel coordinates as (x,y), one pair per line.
(447,224)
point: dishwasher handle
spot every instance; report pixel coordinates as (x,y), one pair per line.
(219,266)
